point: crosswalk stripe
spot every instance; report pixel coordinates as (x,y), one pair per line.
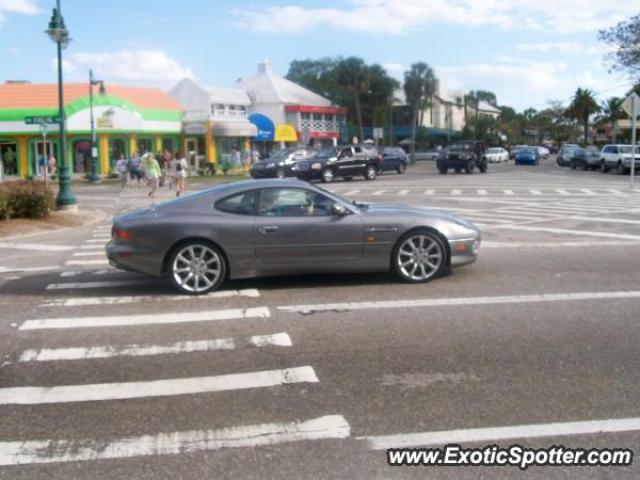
(96,240)
(105,284)
(403,192)
(155,388)
(134,350)
(508,192)
(614,191)
(482,192)
(87,262)
(456,192)
(567,231)
(379,192)
(535,192)
(607,220)
(151,319)
(352,192)
(34,246)
(56,451)
(562,191)
(92,253)
(86,301)
(428,192)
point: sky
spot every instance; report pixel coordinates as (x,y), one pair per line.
(526,51)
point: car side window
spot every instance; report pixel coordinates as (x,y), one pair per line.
(345,153)
(293,202)
(240,204)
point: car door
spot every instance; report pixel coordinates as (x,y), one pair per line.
(295,228)
(344,161)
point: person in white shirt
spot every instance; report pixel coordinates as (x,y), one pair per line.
(179,168)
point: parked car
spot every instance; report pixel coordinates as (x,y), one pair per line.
(260,228)
(589,160)
(279,164)
(619,157)
(496,155)
(346,161)
(543,152)
(569,152)
(427,155)
(463,155)
(394,158)
(528,156)
(514,150)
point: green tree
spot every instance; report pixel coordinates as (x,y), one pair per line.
(470,101)
(484,128)
(624,39)
(419,87)
(612,112)
(378,100)
(582,106)
(316,75)
(352,77)
(487,96)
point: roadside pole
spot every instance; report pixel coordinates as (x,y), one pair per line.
(43,129)
(634,116)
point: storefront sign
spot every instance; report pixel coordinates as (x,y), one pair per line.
(286,133)
(266,128)
(106,119)
(194,128)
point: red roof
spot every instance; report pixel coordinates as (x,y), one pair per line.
(45,95)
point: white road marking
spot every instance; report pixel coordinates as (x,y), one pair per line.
(92,247)
(155,388)
(150,319)
(462,301)
(495,434)
(562,191)
(587,191)
(508,192)
(601,243)
(351,192)
(379,192)
(173,443)
(27,269)
(535,192)
(614,191)
(85,301)
(586,233)
(134,350)
(607,220)
(88,262)
(95,241)
(403,192)
(92,253)
(482,192)
(35,246)
(456,192)
(428,192)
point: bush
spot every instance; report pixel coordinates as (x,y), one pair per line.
(225,167)
(24,199)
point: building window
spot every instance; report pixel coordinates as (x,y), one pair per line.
(305,116)
(217,109)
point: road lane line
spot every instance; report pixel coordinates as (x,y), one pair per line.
(155,388)
(35,246)
(482,192)
(428,192)
(586,233)
(151,319)
(172,443)
(351,192)
(92,253)
(607,220)
(508,192)
(461,301)
(135,350)
(535,192)
(103,261)
(379,192)
(495,434)
(403,192)
(119,300)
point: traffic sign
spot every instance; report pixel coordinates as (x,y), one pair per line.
(42,120)
(628,104)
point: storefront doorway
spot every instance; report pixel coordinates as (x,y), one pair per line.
(39,155)
(194,152)
(145,145)
(9,157)
(230,149)
(81,151)
(117,147)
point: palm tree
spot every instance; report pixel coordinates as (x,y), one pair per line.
(419,88)
(582,107)
(612,112)
(471,100)
(352,76)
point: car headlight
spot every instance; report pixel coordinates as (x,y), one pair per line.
(316,166)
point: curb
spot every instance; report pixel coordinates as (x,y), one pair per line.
(92,221)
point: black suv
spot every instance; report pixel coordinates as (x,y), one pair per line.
(463,155)
(279,164)
(346,161)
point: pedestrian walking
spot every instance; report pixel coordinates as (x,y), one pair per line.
(122,168)
(53,165)
(236,158)
(134,168)
(180,173)
(255,156)
(152,173)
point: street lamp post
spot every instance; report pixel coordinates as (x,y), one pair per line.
(59,34)
(94,177)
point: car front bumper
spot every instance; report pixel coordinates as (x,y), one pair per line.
(464,251)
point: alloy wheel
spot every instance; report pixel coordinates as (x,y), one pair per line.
(420,257)
(327,175)
(197,268)
(370,173)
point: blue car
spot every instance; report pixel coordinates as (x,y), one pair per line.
(394,158)
(528,156)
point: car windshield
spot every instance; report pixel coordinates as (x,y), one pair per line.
(462,146)
(494,150)
(530,150)
(280,155)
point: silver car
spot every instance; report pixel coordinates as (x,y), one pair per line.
(273,227)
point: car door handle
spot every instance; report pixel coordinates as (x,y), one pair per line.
(268,229)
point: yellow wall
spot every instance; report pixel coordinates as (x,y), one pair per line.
(210,145)
(133,144)
(23,149)
(103,153)
(158,143)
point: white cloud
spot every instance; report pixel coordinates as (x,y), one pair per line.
(395,69)
(562,47)
(144,67)
(398,16)
(26,7)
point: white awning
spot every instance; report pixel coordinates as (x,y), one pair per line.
(234,129)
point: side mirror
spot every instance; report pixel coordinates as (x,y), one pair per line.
(339,210)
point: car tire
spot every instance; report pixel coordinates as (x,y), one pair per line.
(401,168)
(620,170)
(419,256)
(281,173)
(585,166)
(328,175)
(483,167)
(442,170)
(603,166)
(573,165)
(194,262)
(457,169)
(468,168)
(370,173)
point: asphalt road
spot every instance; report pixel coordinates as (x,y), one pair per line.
(108,374)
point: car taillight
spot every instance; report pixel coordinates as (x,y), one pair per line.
(121,234)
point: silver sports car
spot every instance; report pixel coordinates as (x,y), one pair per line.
(274,227)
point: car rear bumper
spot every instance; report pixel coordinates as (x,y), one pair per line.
(127,257)
(464,251)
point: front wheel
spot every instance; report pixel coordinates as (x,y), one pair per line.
(197,267)
(468,168)
(370,173)
(573,165)
(483,167)
(280,173)
(401,168)
(442,170)
(603,166)
(327,175)
(620,170)
(419,256)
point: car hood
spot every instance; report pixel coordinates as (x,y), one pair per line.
(398,209)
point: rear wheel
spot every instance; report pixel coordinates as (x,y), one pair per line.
(483,167)
(327,175)
(620,170)
(280,173)
(370,173)
(419,256)
(573,164)
(603,166)
(442,170)
(197,267)
(468,168)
